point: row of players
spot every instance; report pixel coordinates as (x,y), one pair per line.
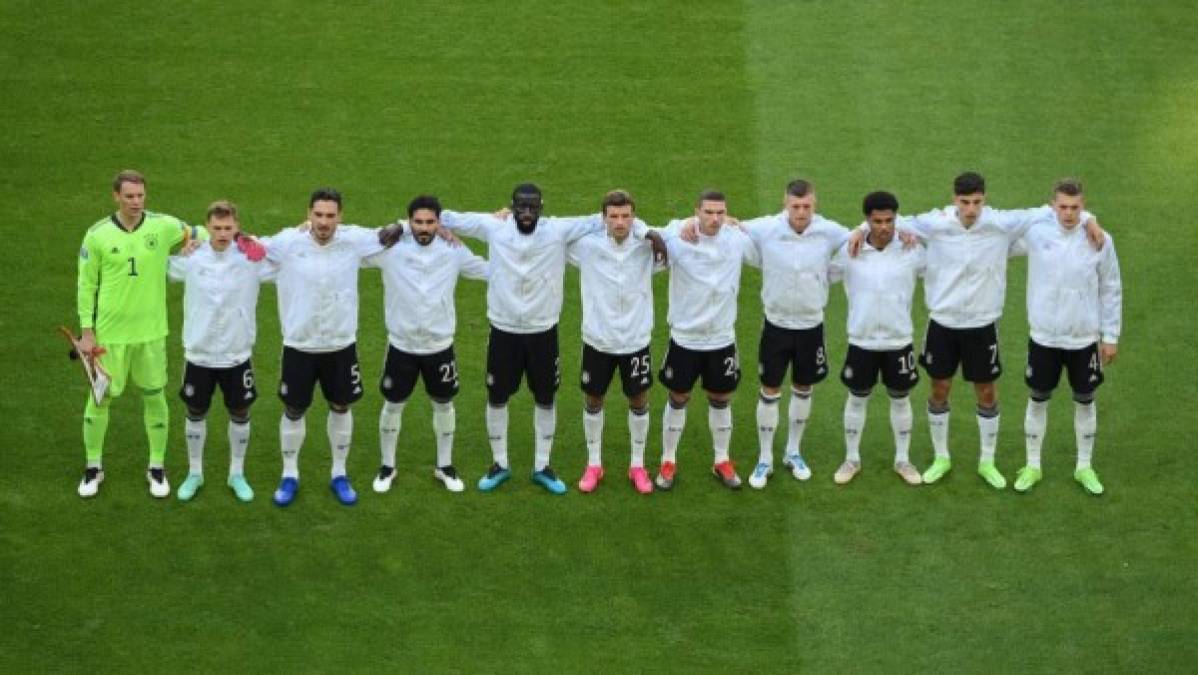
(1074,308)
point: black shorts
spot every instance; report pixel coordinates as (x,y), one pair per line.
(338,374)
(1044,366)
(439,371)
(511,356)
(236,386)
(636,371)
(897,367)
(719,368)
(974,349)
(802,350)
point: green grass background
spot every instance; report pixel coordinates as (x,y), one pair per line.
(261,102)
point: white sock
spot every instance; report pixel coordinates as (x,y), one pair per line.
(497,433)
(854,424)
(195,431)
(544,423)
(239,441)
(592,430)
(988,431)
(1085,426)
(291,438)
(798,411)
(938,428)
(390,421)
(719,420)
(672,423)
(445,422)
(340,430)
(1035,422)
(638,429)
(900,423)
(767,424)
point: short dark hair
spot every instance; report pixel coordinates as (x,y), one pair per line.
(799,188)
(1071,187)
(221,209)
(325,194)
(617,198)
(526,189)
(127,176)
(711,196)
(424,202)
(879,201)
(969,183)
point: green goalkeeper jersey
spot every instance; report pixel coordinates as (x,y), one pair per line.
(122,277)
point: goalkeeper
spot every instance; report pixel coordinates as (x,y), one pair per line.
(122,314)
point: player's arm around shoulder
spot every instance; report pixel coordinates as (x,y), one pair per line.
(470,264)
(750,252)
(475,225)
(838,263)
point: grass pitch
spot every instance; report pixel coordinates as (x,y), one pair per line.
(261,103)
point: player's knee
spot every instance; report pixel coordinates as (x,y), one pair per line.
(936,407)
(772,392)
(641,410)
(543,400)
(639,401)
(860,393)
(239,415)
(678,399)
(1039,396)
(1084,398)
(769,397)
(593,404)
(148,393)
(196,414)
(897,394)
(941,390)
(339,408)
(988,411)
(497,399)
(801,390)
(439,400)
(718,402)
(294,414)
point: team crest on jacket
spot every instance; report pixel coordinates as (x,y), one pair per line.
(152,241)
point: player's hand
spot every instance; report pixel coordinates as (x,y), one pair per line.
(855,239)
(660,255)
(250,247)
(689,232)
(87,344)
(502,214)
(190,247)
(1107,352)
(909,239)
(1095,234)
(390,235)
(448,235)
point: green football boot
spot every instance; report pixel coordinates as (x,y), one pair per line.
(940,466)
(991,475)
(1089,480)
(1027,478)
(187,491)
(241,488)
